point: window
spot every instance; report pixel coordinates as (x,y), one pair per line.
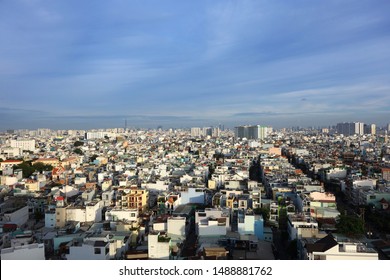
(98,251)
(132,215)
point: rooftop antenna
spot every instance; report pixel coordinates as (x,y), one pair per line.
(125,125)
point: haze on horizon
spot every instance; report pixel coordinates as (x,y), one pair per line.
(88,64)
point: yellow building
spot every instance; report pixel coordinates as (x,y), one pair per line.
(137,199)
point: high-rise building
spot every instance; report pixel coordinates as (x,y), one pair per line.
(373,129)
(359,128)
(207,131)
(196,131)
(252,131)
(348,129)
(216,132)
(370,129)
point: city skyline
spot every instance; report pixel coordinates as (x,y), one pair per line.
(72,65)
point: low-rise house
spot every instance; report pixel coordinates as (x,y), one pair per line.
(301,226)
(328,248)
(159,245)
(87,250)
(250,224)
(212,222)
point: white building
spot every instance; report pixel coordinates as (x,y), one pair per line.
(88,250)
(98,134)
(26,252)
(158,246)
(107,198)
(328,248)
(212,222)
(336,173)
(88,195)
(131,215)
(246,221)
(192,195)
(299,226)
(92,212)
(8,180)
(11,152)
(177,228)
(23,144)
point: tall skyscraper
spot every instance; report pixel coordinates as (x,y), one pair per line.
(359,128)
(373,129)
(252,131)
(348,129)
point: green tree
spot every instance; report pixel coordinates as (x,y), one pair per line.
(282,218)
(78,144)
(262,211)
(39,166)
(92,158)
(78,151)
(350,225)
(292,249)
(26,167)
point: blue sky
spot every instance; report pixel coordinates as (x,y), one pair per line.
(89,64)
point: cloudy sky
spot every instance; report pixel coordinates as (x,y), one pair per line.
(88,64)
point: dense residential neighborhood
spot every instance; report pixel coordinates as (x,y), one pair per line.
(199,193)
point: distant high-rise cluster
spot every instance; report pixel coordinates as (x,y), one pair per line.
(252,131)
(205,131)
(352,128)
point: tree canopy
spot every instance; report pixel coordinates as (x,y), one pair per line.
(350,225)
(262,211)
(28,169)
(78,143)
(78,151)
